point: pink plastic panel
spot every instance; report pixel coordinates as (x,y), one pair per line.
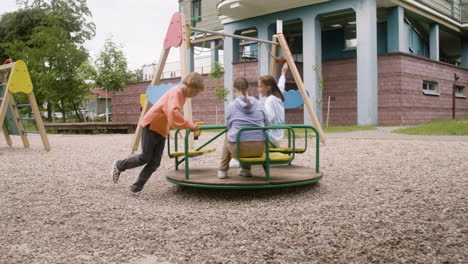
(174,32)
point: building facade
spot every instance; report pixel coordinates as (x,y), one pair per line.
(372,61)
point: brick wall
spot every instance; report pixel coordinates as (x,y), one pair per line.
(248,70)
(415,107)
(340,82)
(126,104)
(400,96)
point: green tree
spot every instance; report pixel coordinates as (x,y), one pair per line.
(136,76)
(111,67)
(49,36)
(221,93)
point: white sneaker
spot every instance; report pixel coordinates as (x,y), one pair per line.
(222,174)
(234,163)
(244,173)
(115,172)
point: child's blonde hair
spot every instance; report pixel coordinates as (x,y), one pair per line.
(242,85)
(195,81)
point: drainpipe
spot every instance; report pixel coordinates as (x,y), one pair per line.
(454,91)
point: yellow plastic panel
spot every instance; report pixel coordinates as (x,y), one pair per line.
(191,153)
(20,81)
(142,99)
(287,150)
(273,157)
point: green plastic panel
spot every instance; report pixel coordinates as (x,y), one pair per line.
(9,118)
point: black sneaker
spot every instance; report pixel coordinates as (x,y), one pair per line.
(115,172)
(135,191)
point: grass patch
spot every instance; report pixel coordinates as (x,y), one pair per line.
(332,129)
(455,127)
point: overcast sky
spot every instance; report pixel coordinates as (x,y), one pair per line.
(139,26)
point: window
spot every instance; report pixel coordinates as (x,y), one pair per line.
(460,91)
(464,11)
(430,88)
(196,12)
(350,37)
(410,38)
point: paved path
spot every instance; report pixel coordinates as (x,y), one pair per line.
(385,133)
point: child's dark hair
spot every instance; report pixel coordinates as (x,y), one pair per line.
(242,85)
(269,80)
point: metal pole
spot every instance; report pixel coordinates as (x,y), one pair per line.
(232,36)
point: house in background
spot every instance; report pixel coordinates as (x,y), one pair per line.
(95,104)
(381,61)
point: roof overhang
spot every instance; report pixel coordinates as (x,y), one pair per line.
(233,10)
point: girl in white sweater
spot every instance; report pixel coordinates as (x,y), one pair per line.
(274,102)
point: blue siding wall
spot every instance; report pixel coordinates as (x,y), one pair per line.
(333,43)
(419,46)
(382,38)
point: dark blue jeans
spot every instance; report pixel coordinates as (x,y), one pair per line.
(152,147)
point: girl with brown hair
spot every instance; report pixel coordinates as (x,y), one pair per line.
(274,102)
(243,111)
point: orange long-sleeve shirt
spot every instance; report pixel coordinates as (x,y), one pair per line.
(166,113)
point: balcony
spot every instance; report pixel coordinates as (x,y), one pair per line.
(232,10)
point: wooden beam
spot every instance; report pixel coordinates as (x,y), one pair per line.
(184,71)
(273,64)
(297,77)
(137,136)
(4,129)
(4,106)
(38,119)
(158,71)
(7,136)
(7,67)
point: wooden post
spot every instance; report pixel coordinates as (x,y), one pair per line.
(7,136)
(38,119)
(184,71)
(4,106)
(2,97)
(155,81)
(273,64)
(297,77)
(18,123)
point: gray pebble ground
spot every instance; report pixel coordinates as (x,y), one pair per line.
(385,198)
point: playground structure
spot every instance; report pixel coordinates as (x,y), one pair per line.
(15,79)
(178,35)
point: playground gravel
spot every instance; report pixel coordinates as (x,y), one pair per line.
(384,199)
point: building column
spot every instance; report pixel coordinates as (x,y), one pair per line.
(312,59)
(434,42)
(214,51)
(263,54)
(396,29)
(464,52)
(367,87)
(229,56)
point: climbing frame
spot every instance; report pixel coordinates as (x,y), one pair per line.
(15,78)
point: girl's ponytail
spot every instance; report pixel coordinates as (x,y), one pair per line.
(242,85)
(246,99)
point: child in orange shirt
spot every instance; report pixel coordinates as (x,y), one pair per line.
(155,128)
